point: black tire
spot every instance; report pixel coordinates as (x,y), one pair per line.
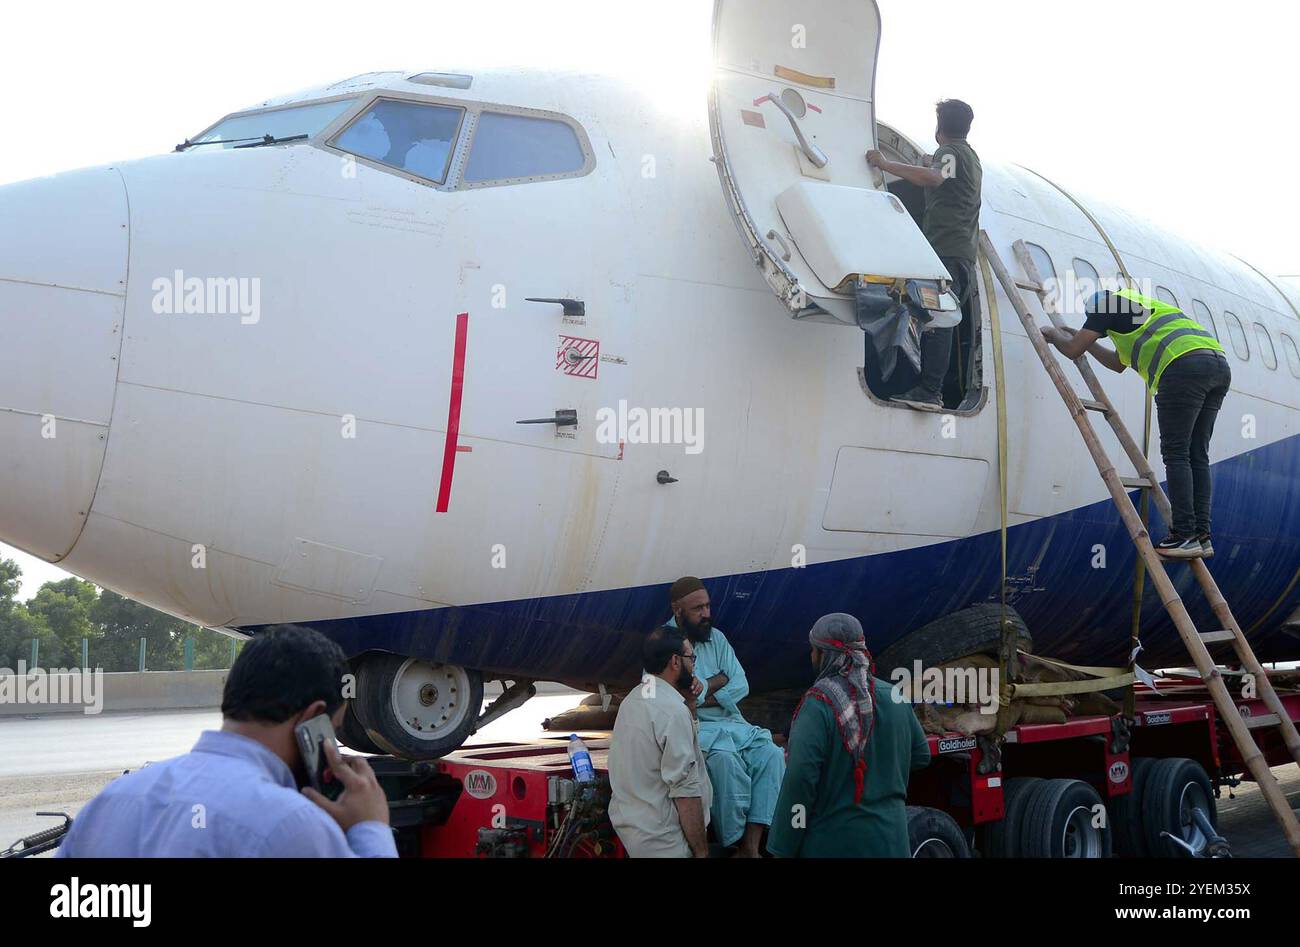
(1059,822)
(382,681)
(974,630)
(1126,813)
(934,834)
(1001,839)
(1172,786)
(354,735)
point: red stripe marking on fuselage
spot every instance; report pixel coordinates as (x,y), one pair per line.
(453,412)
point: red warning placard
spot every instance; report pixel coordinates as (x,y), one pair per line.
(578,357)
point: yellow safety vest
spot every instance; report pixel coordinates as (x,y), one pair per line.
(1167,334)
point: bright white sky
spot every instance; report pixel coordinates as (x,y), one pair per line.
(1181,110)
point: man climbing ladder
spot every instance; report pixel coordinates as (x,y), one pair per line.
(1186,370)
(1195,641)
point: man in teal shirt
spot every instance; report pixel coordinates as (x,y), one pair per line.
(745,766)
(852,747)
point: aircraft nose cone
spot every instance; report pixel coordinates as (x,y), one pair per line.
(63,269)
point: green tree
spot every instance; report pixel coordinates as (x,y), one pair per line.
(11,575)
(11,580)
(64,608)
(18,626)
(64,612)
(121,623)
(212,649)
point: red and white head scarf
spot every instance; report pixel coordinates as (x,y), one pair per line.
(845,682)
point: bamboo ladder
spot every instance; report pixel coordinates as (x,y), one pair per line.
(1196,642)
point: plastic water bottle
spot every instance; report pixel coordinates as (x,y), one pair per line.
(580,760)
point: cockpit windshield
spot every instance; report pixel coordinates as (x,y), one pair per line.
(293,121)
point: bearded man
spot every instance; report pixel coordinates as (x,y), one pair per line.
(745,766)
(660,790)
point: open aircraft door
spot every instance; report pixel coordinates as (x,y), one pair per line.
(792,116)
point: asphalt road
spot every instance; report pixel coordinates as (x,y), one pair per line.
(1246,821)
(58,762)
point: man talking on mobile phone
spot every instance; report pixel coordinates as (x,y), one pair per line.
(236,794)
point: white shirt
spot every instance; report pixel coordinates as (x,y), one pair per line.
(654,758)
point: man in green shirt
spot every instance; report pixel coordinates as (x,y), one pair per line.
(851,749)
(952,186)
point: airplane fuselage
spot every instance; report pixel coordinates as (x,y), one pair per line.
(290,461)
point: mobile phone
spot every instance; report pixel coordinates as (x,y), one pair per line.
(312,735)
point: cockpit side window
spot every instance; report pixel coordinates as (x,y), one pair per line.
(289,122)
(415,137)
(510,147)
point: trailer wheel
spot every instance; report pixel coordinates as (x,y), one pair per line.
(1001,839)
(974,630)
(932,833)
(1060,821)
(1126,813)
(353,733)
(1174,787)
(417,709)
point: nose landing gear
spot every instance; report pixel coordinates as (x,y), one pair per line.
(413,708)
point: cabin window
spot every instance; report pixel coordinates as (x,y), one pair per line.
(414,137)
(1266,350)
(1043,260)
(510,147)
(1087,282)
(1204,316)
(1167,297)
(287,122)
(1047,270)
(1237,332)
(1292,354)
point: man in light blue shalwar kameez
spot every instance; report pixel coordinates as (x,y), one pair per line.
(745,766)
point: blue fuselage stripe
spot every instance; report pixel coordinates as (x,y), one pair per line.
(1076,610)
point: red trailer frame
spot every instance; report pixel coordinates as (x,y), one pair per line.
(510,799)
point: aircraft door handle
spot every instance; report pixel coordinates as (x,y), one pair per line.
(811,151)
(785,247)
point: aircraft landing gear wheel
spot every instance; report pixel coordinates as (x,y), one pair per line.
(417,709)
(354,735)
(973,630)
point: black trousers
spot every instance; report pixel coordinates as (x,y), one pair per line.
(936,344)
(1191,392)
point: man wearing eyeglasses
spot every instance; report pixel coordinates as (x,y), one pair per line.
(660,787)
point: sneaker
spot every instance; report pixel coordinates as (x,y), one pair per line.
(1206,546)
(1174,546)
(920,399)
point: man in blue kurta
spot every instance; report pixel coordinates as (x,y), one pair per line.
(745,766)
